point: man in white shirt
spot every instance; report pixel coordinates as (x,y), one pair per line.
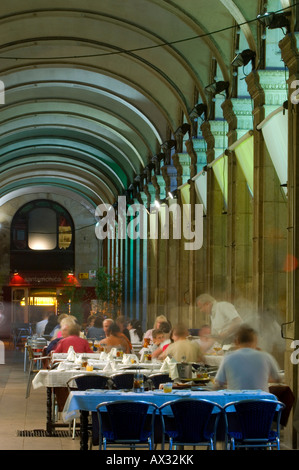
(41,325)
(224,317)
(247,368)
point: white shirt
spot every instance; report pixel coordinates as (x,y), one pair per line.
(223,313)
(40,327)
(134,338)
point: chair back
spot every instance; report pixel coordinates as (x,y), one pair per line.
(88,381)
(127,420)
(193,421)
(255,418)
(154,380)
(123,380)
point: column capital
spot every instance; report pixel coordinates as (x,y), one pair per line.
(181,162)
(193,157)
(255,89)
(290,53)
(231,119)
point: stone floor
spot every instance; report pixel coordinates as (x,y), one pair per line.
(18,414)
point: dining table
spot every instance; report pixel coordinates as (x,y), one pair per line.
(55,380)
(80,403)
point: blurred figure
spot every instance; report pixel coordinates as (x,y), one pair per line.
(247,368)
(122,324)
(160,346)
(41,325)
(96,330)
(52,323)
(224,317)
(135,331)
(204,338)
(116,339)
(106,325)
(159,319)
(57,336)
(71,337)
(182,349)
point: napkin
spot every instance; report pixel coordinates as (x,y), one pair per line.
(109,367)
(71,355)
(112,353)
(78,359)
(170,365)
(127,359)
(103,356)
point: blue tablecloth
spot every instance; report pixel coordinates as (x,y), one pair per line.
(88,400)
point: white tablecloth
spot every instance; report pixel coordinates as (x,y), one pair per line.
(59,378)
(89,400)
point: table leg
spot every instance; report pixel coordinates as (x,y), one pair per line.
(50,425)
(83,430)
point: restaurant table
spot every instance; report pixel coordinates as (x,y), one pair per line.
(82,403)
(57,379)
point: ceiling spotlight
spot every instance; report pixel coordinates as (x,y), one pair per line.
(182,130)
(216,88)
(244,57)
(275,20)
(199,110)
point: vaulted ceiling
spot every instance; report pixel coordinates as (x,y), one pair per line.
(93,88)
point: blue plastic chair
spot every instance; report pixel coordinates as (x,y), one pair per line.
(250,424)
(126,423)
(193,422)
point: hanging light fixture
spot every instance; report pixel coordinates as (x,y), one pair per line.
(244,57)
(198,110)
(275,20)
(216,88)
(183,130)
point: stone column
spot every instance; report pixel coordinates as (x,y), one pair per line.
(290,55)
(257,93)
(216,221)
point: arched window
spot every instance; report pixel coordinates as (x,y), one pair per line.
(42,237)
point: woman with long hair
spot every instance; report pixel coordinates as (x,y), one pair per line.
(135,330)
(116,339)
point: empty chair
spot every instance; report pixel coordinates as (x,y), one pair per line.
(193,422)
(125,423)
(249,423)
(85,382)
(34,358)
(154,380)
(123,380)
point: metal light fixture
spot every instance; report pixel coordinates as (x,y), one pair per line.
(198,111)
(244,57)
(216,88)
(173,194)
(182,130)
(168,145)
(275,20)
